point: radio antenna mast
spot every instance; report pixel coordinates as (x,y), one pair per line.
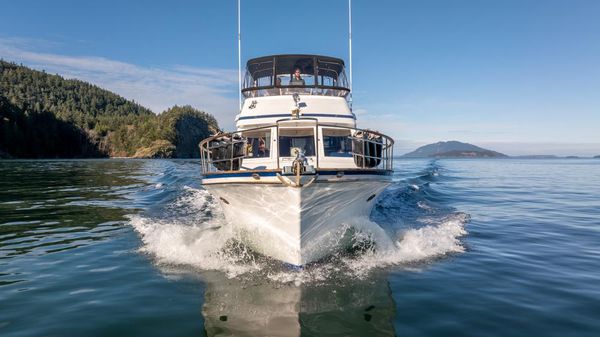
(239,35)
(350,46)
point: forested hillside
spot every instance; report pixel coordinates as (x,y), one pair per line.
(47,116)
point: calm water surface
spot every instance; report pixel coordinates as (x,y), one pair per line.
(138,248)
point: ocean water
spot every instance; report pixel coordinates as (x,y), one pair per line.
(138,248)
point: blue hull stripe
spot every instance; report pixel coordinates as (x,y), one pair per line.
(288,115)
(273,174)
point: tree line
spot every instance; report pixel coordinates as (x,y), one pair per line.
(48,116)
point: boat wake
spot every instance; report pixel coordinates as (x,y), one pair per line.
(408,227)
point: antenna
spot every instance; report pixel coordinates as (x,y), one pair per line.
(350,46)
(239,34)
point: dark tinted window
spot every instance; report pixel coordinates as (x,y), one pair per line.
(337,143)
(293,140)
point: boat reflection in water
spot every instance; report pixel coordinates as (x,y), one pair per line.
(359,308)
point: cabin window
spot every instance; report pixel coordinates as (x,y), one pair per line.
(258,143)
(286,67)
(337,143)
(331,74)
(259,74)
(293,140)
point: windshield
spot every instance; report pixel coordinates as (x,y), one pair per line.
(288,74)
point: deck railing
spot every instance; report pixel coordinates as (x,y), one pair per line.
(227,151)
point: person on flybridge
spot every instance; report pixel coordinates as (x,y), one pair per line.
(296,78)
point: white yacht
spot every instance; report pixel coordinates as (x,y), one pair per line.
(297,171)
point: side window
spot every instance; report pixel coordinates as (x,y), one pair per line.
(283,80)
(309,79)
(259,74)
(292,141)
(259,144)
(337,143)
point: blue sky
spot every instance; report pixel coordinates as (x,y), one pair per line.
(517,76)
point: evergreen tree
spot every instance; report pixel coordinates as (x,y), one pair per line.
(43,115)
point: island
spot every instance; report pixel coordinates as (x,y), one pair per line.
(453,149)
(537,156)
(48,116)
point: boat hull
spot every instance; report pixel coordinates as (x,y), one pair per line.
(296,225)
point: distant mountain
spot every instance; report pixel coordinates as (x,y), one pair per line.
(453,149)
(597,157)
(47,116)
(471,154)
(537,156)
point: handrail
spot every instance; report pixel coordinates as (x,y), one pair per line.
(295,86)
(283,90)
(370,140)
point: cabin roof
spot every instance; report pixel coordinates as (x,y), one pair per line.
(291,56)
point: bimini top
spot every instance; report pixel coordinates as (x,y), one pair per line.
(288,74)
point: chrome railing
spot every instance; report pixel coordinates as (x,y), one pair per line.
(227,151)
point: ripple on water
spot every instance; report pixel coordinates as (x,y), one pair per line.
(528,265)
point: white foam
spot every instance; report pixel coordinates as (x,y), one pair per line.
(191,238)
(416,245)
(102,270)
(193,232)
(423,205)
(82,291)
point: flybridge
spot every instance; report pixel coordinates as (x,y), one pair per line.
(295,74)
(295,85)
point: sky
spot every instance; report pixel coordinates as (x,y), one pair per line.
(516,76)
